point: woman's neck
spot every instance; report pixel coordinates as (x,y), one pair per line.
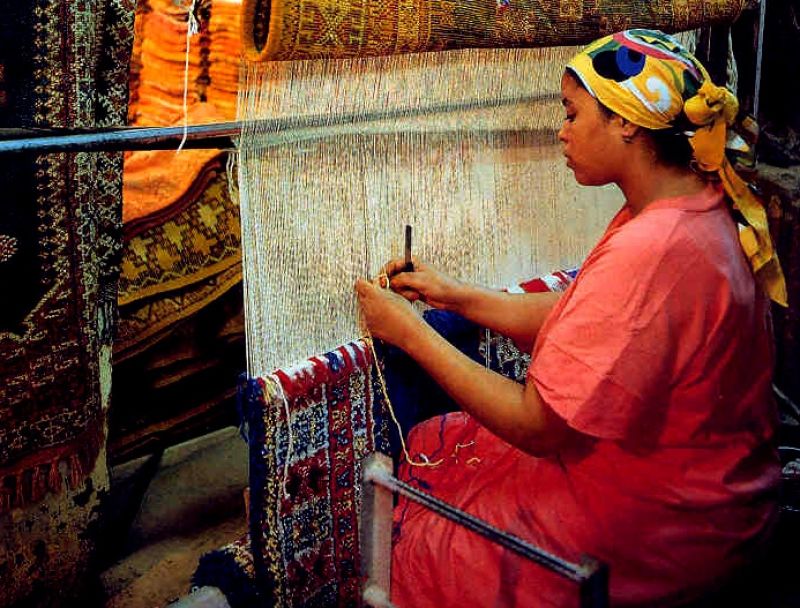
(645,185)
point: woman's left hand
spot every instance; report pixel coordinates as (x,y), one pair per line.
(388,316)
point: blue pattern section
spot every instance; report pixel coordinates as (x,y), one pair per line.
(414,394)
(303,528)
(310,433)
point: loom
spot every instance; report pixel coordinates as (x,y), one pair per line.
(350,127)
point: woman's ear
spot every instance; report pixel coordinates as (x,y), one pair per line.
(628,130)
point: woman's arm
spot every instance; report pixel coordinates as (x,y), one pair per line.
(513,412)
(518,316)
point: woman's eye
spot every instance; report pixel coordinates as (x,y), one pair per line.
(570,117)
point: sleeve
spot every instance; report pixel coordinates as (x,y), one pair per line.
(607,359)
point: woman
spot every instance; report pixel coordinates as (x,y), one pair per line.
(643,436)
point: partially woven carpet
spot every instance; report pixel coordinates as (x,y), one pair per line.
(305,475)
(291,29)
(62,64)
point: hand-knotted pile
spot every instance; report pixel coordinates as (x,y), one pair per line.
(62,64)
(309,427)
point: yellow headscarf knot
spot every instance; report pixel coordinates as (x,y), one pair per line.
(710,103)
(712,109)
(650,79)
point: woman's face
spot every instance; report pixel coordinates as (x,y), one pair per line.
(590,148)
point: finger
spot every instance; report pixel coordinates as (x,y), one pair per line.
(363,287)
(398,265)
(406,281)
(409,294)
(395,266)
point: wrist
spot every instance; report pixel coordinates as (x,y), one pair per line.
(414,335)
(461,295)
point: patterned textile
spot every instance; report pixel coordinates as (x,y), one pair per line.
(286,29)
(305,476)
(62,64)
(157,181)
(159,64)
(176,262)
(231,570)
(154,180)
(181,381)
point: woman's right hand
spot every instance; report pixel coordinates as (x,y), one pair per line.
(425,283)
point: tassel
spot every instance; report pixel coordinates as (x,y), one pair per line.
(38,484)
(54,478)
(19,496)
(75,472)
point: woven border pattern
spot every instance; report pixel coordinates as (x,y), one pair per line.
(305,475)
(314,29)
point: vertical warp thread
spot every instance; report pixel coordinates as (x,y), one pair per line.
(462,145)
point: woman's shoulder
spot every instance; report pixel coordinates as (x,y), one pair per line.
(663,248)
(678,225)
(645,238)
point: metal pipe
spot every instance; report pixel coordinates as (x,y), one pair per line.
(567,569)
(215,135)
(762,18)
(591,575)
(223,135)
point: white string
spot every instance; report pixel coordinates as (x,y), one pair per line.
(192,28)
(426,461)
(290,448)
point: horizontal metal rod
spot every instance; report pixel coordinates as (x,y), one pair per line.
(575,572)
(222,135)
(208,136)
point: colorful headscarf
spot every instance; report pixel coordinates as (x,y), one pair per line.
(650,79)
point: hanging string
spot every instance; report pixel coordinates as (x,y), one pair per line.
(370,341)
(192,29)
(383,282)
(290,447)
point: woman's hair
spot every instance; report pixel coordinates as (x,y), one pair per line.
(671,145)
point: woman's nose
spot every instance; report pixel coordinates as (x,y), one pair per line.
(562,136)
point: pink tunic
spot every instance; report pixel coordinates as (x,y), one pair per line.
(660,355)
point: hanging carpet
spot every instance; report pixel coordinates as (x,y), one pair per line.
(313,29)
(62,64)
(179,346)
